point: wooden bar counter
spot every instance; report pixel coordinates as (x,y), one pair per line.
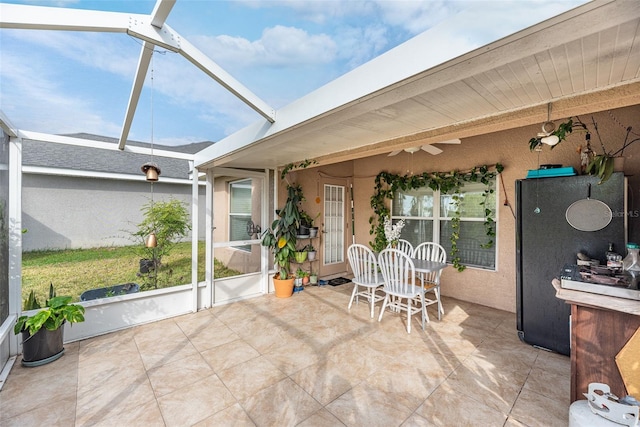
(600,326)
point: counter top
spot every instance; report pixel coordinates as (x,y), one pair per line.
(606,302)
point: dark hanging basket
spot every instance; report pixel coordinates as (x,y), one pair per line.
(146,265)
(43,347)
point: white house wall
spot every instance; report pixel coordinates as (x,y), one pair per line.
(61,212)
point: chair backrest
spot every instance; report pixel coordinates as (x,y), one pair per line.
(363,263)
(433,252)
(398,271)
(404,246)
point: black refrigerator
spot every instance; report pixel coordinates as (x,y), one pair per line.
(545,242)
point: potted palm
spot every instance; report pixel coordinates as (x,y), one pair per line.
(281,239)
(43,332)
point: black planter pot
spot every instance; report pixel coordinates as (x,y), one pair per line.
(43,347)
(146,265)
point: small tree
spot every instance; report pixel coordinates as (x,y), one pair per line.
(170,222)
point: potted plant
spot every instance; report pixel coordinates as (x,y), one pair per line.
(281,239)
(313,278)
(300,256)
(43,332)
(307,222)
(311,252)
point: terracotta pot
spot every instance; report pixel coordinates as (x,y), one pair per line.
(283,288)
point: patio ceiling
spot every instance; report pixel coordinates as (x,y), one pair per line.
(585,60)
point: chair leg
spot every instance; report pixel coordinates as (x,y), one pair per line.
(425,315)
(408,315)
(440,309)
(353,294)
(372,299)
(384,305)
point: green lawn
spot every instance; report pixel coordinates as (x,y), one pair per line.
(74,271)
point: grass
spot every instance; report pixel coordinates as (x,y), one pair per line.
(74,271)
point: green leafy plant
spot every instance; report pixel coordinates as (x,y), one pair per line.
(281,236)
(170,222)
(57,311)
(564,129)
(386,185)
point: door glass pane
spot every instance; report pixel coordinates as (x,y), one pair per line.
(240,211)
(333,224)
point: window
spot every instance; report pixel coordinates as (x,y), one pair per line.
(428,213)
(239,210)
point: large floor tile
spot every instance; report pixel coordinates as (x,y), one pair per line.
(283,404)
(196,402)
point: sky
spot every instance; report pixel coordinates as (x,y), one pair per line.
(62,82)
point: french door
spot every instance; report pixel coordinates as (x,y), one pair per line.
(335,227)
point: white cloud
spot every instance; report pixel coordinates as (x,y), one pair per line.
(279,46)
(116,53)
(35,100)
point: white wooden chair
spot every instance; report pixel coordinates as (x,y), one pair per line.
(366,278)
(431,281)
(399,277)
(404,246)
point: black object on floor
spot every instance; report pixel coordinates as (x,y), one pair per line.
(339,281)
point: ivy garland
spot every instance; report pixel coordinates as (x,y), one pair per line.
(386,185)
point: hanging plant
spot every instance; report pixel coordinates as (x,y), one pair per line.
(386,185)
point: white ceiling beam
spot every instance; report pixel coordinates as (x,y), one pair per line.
(138,82)
(158,16)
(161,12)
(91,143)
(57,18)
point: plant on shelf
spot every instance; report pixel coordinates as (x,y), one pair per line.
(303,276)
(602,165)
(42,332)
(311,252)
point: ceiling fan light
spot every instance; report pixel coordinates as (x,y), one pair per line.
(412,149)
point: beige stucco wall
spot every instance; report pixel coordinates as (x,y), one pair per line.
(510,148)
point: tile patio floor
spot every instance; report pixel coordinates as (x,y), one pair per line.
(301,361)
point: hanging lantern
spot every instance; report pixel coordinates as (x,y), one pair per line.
(151,170)
(152,241)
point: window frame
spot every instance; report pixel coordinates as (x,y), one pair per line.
(438,217)
(232,215)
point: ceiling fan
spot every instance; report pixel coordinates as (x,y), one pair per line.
(429,148)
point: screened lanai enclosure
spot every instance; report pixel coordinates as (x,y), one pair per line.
(413,109)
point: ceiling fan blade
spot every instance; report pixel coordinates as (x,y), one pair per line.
(394,153)
(450,141)
(431,149)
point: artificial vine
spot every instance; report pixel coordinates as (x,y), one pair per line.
(386,184)
(292,166)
